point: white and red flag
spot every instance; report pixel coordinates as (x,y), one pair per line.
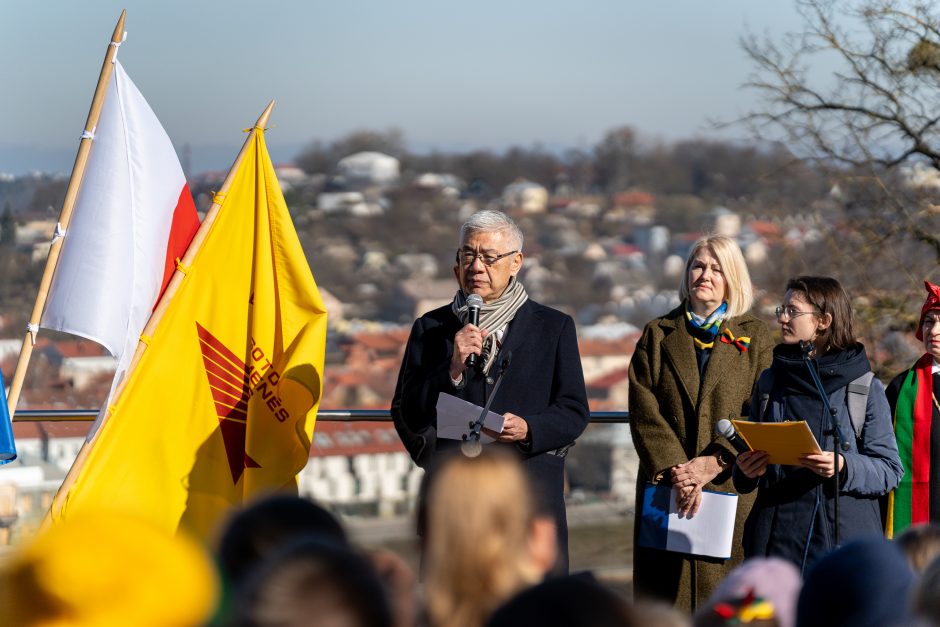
(134,216)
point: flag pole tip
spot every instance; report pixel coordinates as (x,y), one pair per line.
(119,29)
(263,120)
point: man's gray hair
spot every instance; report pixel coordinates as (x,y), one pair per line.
(489,221)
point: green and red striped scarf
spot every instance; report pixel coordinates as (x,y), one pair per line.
(909,504)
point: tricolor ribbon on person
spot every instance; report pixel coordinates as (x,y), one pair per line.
(741,342)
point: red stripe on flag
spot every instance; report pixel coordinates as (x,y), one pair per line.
(237,393)
(219,364)
(220,348)
(182,229)
(920,484)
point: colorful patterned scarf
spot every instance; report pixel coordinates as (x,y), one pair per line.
(909,504)
(705,332)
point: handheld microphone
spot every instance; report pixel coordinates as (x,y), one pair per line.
(474,303)
(726,429)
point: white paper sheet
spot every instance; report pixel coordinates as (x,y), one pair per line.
(454,416)
(710,531)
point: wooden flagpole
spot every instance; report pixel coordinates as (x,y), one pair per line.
(71,193)
(157,315)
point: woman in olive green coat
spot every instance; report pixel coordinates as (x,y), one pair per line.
(691,368)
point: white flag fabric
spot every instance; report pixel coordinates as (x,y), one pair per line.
(133,217)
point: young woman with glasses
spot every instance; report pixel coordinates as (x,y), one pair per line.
(793,516)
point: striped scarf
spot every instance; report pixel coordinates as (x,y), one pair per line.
(705,332)
(913,413)
(493,316)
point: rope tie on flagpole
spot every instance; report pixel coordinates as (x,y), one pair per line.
(146,339)
(89,134)
(255,128)
(217,198)
(182,268)
(58,234)
(33,330)
(117,46)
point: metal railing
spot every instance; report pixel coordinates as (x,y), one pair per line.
(327,415)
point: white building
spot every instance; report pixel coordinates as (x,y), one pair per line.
(369,168)
(526,196)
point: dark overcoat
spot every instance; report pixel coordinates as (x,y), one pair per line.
(544,384)
(673,412)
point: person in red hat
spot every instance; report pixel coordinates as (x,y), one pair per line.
(913,398)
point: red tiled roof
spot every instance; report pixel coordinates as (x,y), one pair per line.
(79,348)
(633,199)
(385,341)
(30,430)
(624,250)
(609,380)
(600,348)
(354,438)
(764,228)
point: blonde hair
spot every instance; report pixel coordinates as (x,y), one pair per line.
(740,294)
(479,524)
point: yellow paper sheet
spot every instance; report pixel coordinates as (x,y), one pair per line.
(785,441)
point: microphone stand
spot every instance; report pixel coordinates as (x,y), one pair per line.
(839,442)
(471,446)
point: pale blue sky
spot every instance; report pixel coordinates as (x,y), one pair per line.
(489,73)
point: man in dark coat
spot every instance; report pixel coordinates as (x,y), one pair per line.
(542,395)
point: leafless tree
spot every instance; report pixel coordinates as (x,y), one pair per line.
(873,122)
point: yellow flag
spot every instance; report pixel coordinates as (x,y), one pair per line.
(222,405)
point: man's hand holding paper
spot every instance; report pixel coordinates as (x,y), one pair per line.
(454,416)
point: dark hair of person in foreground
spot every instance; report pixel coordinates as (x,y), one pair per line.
(865,583)
(313,581)
(572,601)
(267,525)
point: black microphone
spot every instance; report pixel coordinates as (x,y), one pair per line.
(806,346)
(474,303)
(725,428)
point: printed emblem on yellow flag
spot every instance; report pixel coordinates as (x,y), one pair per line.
(222,405)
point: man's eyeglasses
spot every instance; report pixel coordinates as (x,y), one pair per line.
(467,257)
(790,312)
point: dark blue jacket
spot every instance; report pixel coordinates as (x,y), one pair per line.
(544,385)
(793,516)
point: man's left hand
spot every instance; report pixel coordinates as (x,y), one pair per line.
(515,429)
